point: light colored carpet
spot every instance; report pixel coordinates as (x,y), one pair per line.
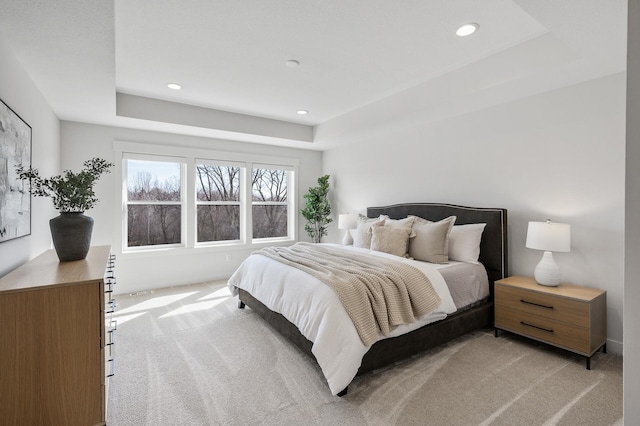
(187,356)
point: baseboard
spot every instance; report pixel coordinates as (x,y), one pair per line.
(614,347)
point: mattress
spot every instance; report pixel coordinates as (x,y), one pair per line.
(468,283)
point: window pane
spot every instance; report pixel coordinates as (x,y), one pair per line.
(218,183)
(150,225)
(269,221)
(153,181)
(269,185)
(218,223)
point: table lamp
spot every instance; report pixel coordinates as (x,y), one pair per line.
(550,237)
(347,221)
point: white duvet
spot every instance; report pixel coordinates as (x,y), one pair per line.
(318,313)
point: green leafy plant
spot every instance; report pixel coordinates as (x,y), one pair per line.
(317,210)
(70,192)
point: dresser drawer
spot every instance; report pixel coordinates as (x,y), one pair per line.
(570,311)
(543,328)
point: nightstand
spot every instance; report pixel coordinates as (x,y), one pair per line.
(567,316)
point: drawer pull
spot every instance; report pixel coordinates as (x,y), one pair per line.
(548,330)
(112,369)
(536,304)
(112,337)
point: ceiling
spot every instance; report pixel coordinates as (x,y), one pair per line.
(109,62)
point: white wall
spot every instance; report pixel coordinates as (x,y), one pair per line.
(139,271)
(20,93)
(557,155)
(632,225)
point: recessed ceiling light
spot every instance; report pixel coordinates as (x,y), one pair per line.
(292,63)
(303,111)
(174,86)
(467,29)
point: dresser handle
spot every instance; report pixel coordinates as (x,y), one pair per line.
(548,330)
(536,304)
(112,371)
(111,306)
(112,337)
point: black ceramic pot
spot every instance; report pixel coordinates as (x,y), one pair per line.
(71,233)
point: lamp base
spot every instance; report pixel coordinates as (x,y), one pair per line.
(547,271)
(347,240)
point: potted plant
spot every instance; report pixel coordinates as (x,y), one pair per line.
(72,194)
(317,210)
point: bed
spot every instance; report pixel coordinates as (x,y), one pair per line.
(337,363)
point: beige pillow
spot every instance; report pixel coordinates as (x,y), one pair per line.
(391,239)
(407,221)
(362,237)
(431,243)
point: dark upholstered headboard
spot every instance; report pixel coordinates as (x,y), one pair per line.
(493,247)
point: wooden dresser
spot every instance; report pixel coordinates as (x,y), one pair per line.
(54,345)
(567,316)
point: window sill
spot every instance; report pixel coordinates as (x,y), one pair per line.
(202,249)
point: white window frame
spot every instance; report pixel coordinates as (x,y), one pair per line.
(290,188)
(127,202)
(192,156)
(240,204)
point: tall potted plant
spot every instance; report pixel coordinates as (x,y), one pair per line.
(317,210)
(72,194)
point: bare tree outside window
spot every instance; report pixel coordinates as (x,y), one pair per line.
(218,202)
(154,210)
(269,203)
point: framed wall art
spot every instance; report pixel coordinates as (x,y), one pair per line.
(15,198)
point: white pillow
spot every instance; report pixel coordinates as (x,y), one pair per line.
(464,242)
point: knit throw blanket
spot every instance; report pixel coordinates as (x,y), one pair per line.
(377,293)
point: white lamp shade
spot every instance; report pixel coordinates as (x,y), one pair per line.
(347,221)
(549,236)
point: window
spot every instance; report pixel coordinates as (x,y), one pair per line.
(218,202)
(154,202)
(269,202)
(193,198)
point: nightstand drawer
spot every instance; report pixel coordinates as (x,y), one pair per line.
(543,328)
(545,305)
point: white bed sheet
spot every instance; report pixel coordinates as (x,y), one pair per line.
(318,313)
